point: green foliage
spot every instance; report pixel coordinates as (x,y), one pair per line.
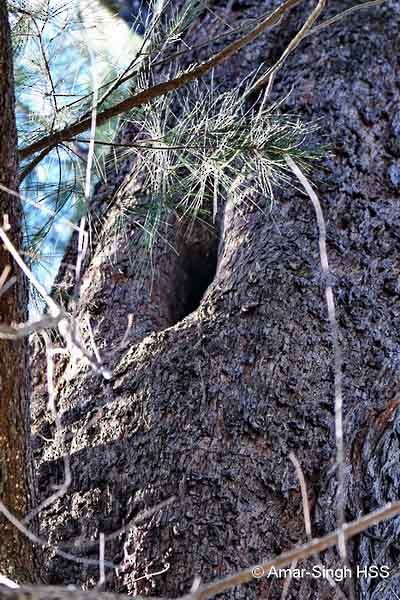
(197,145)
(200,146)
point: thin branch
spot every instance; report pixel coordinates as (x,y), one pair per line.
(66,326)
(168,59)
(102,577)
(307,29)
(21,526)
(41,592)
(9,246)
(46,66)
(6,282)
(34,162)
(8,582)
(210,590)
(297,554)
(82,236)
(45,544)
(307,521)
(338,372)
(342,15)
(123,76)
(53,213)
(267,78)
(304,494)
(161,88)
(59,434)
(15,332)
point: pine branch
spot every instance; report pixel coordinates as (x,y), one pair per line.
(160,89)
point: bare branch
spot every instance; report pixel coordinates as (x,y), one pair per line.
(342,15)
(59,593)
(297,554)
(66,326)
(217,587)
(267,78)
(307,521)
(45,544)
(338,371)
(304,495)
(8,582)
(307,29)
(15,332)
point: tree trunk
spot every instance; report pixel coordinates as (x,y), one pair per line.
(15,462)
(205,406)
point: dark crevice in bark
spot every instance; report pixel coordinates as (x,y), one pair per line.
(199,262)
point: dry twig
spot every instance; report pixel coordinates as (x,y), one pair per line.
(231,581)
(338,371)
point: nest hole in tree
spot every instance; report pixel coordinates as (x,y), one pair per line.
(198,252)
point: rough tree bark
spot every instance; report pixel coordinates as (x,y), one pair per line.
(15,461)
(205,407)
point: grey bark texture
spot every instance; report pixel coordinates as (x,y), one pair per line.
(205,409)
(16,490)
